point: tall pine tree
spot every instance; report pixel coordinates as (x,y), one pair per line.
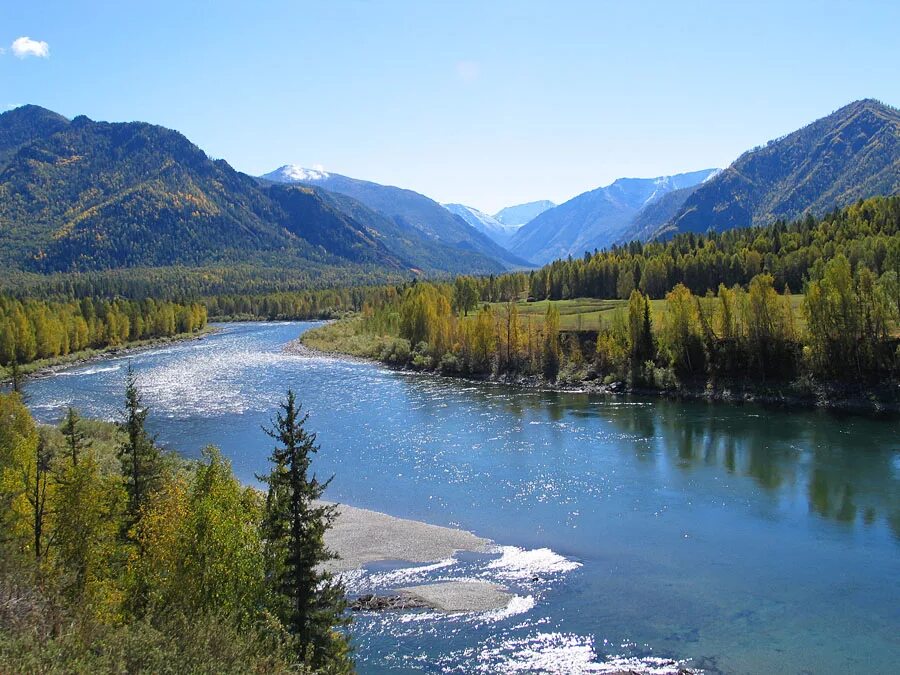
(309,601)
(71,428)
(17,380)
(37,487)
(141,459)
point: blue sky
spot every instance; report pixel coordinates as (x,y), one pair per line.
(485,103)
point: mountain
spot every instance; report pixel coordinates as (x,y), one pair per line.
(83,195)
(851,154)
(655,215)
(406,208)
(484,223)
(595,219)
(401,239)
(22,124)
(518,215)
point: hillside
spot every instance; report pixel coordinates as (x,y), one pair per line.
(406,208)
(851,154)
(595,219)
(82,195)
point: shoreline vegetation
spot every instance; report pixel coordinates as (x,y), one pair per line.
(48,366)
(41,334)
(883,400)
(344,338)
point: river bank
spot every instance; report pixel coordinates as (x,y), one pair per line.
(43,367)
(847,397)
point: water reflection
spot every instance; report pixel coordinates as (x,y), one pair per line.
(785,453)
(814,453)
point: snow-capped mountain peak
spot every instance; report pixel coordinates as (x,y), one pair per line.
(291,173)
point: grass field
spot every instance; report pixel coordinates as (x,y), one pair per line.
(589,314)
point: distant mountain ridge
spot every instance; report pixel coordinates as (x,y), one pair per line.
(500,233)
(78,195)
(655,215)
(520,214)
(83,195)
(849,155)
(406,208)
(596,219)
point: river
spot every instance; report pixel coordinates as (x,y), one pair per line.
(736,539)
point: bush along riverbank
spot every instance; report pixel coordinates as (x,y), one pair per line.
(738,345)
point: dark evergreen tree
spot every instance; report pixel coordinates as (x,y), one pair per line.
(16,380)
(307,599)
(141,459)
(75,441)
(37,485)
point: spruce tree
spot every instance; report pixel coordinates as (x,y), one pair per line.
(37,487)
(141,459)
(71,429)
(309,601)
(17,380)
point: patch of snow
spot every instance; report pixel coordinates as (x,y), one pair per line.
(291,173)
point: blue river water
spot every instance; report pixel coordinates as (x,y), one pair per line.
(732,539)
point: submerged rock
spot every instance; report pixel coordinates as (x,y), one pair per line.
(380,603)
(448,596)
(396,539)
(460,596)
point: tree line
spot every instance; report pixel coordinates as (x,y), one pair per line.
(866,233)
(331,303)
(40,329)
(183,284)
(116,556)
(843,329)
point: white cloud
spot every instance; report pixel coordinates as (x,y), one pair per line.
(24,47)
(467,71)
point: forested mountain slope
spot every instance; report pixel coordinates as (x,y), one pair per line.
(84,195)
(851,154)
